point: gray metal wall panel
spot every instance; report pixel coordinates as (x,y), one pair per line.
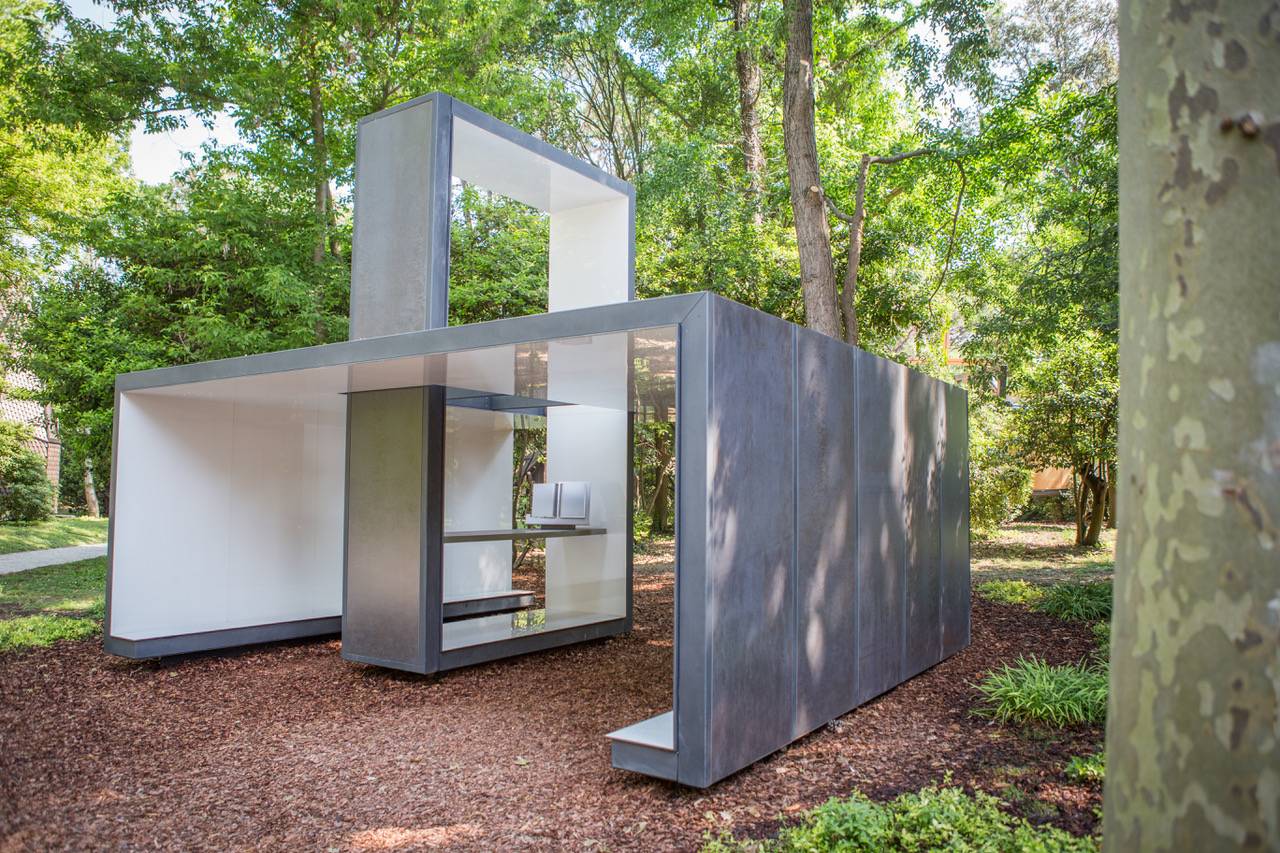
(382,612)
(691,694)
(925,431)
(955,523)
(826,531)
(395,246)
(750,458)
(881,543)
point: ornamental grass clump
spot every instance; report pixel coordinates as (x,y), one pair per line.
(1084,602)
(1031,691)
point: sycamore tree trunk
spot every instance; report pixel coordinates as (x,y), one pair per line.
(813,231)
(1193,737)
(91,507)
(320,158)
(749,108)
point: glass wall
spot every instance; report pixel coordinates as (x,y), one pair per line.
(538,483)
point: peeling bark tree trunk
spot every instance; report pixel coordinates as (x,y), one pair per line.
(813,232)
(320,154)
(91,508)
(849,293)
(749,110)
(1193,738)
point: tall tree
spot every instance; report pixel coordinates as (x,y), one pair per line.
(1193,757)
(813,231)
(749,78)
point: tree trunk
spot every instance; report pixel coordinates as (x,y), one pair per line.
(320,155)
(1192,751)
(749,109)
(660,506)
(1077,503)
(849,293)
(90,493)
(1095,499)
(813,231)
(1111,496)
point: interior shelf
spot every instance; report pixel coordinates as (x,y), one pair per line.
(486,603)
(493,629)
(451,536)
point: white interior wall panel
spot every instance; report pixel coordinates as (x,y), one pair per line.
(590,255)
(478,468)
(228,514)
(590,443)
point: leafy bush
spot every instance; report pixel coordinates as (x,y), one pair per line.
(1032,691)
(1087,768)
(1086,602)
(931,819)
(1050,507)
(25,491)
(1102,636)
(1010,592)
(998,485)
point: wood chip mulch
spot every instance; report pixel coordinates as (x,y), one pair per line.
(290,747)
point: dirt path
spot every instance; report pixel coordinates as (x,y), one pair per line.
(290,747)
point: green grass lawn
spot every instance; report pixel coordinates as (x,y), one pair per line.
(41,606)
(1040,552)
(54,533)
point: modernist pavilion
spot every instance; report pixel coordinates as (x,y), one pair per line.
(365,487)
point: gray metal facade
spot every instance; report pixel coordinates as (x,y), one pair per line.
(822,524)
(823,538)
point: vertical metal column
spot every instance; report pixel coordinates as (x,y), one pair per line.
(392,585)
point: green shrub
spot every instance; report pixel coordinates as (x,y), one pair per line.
(1053,506)
(931,819)
(1102,636)
(25,491)
(1086,602)
(1032,691)
(998,485)
(1087,768)
(1010,592)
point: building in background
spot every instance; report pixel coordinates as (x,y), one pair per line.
(38,416)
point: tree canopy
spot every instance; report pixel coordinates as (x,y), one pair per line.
(964,170)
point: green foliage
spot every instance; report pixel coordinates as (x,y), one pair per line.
(1068,403)
(1087,768)
(1011,592)
(1084,602)
(25,491)
(1032,691)
(999,486)
(1102,636)
(57,532)
(498,255)
(1008,220)
(934,818)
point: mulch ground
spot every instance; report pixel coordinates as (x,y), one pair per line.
(291,747)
